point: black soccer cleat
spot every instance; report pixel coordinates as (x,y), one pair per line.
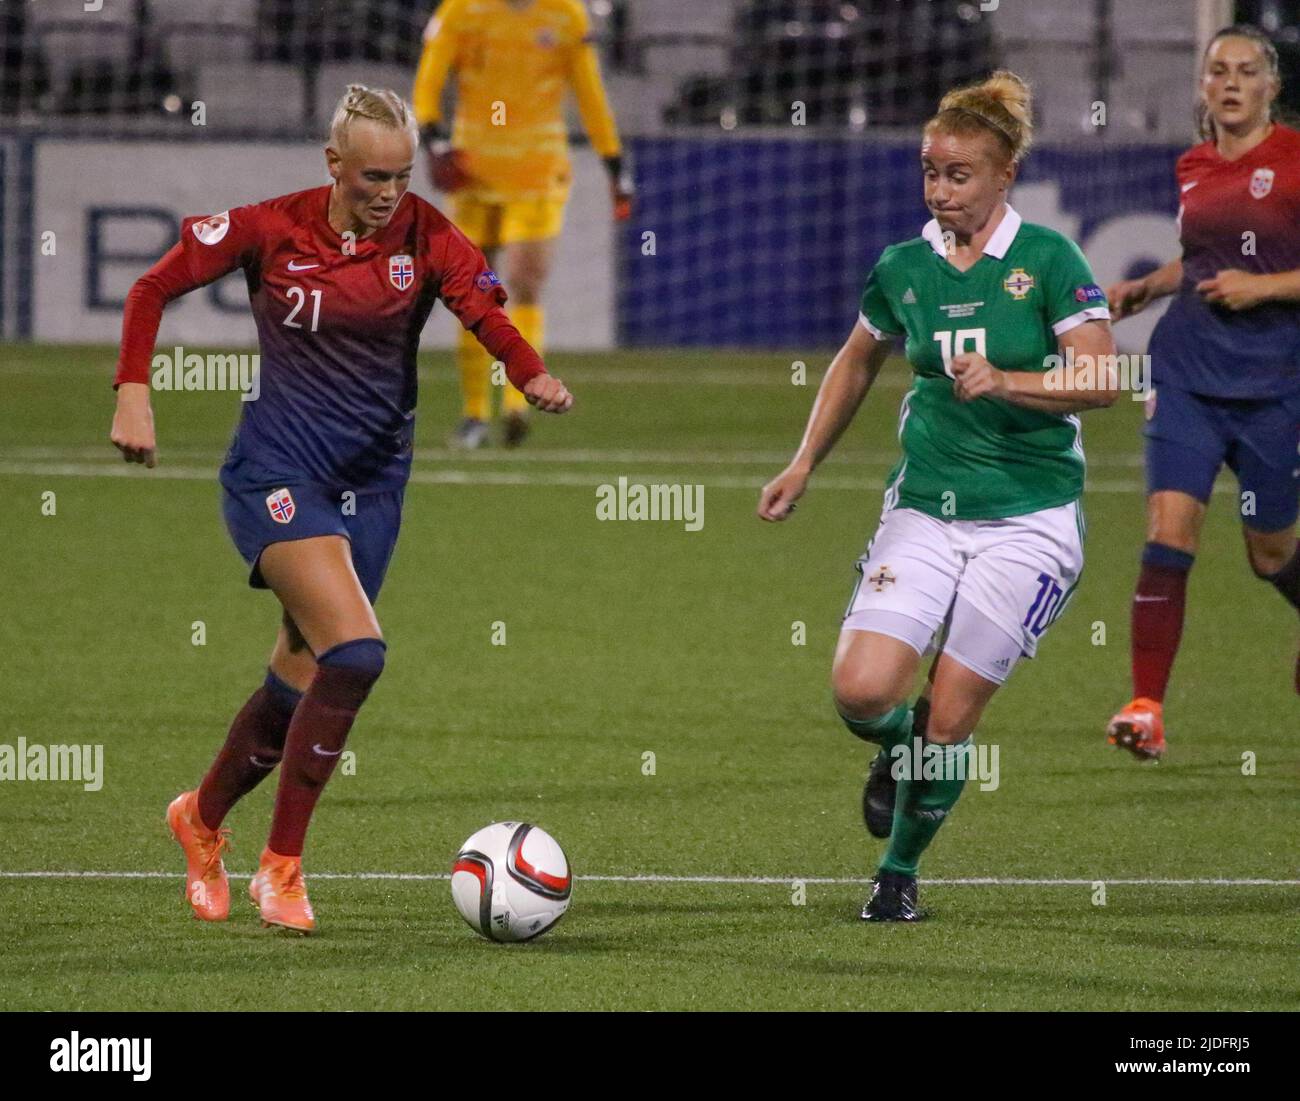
(878,797)
(920,716)
(515,429)
(881,788)
(893,898)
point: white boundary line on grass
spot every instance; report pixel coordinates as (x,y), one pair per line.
(573,456)
(419,476)
(757,881)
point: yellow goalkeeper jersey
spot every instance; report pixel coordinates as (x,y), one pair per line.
(513,64)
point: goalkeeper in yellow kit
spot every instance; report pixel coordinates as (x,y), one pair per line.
(505,161)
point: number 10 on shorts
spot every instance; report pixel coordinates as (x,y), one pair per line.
(1046,606)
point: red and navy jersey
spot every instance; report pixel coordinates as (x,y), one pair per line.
(1242,214)
(338,322)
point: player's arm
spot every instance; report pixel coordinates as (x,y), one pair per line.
(1130,296)
(1093,384)
(475,295)
(847,380)
(598,119)
(208,249)
(446,165)
(1244,290)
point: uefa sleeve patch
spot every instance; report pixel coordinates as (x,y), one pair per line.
(211,230)
(1089,292)
(487,280)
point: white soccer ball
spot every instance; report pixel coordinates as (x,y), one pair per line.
(511,881)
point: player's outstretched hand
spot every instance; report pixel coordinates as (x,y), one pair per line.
(1237,290)
(132,431)
(1127,297)
(975,377)
(777,499)
(548,394)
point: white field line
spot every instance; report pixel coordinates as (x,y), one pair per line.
(118,469)
(680,375)
(571,456)
(757,881)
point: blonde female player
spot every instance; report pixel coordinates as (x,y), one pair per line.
(1225,363)
(341,279)
(981,529)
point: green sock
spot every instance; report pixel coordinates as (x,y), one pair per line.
(891,729)
(922,805)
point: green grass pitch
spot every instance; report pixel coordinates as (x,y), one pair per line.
(622,639)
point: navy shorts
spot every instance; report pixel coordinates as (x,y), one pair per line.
(258,517)
(1189,437)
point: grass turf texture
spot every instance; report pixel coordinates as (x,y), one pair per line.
(622,639)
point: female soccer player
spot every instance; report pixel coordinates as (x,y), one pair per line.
(1225,362)
(981,530)
(341,279)
(505,161)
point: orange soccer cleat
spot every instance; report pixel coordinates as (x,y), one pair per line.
(1139,728)
(206,887)
(279,892)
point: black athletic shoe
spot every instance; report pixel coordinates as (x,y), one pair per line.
(893,898)
(515,429)
(920,716)
(881,788)
(878,797)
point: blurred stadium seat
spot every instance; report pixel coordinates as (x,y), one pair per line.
(74,42)
(253,96)
(195,32)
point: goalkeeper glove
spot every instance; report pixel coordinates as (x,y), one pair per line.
(447,167)
(621,187)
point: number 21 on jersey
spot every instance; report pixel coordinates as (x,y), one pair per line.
(954,344)
(300,298)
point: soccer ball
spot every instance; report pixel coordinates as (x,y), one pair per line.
(511,881)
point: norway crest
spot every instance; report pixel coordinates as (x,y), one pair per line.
(1261,183)
(280,505)
(401,271)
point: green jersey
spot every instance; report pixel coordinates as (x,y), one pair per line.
(985,459)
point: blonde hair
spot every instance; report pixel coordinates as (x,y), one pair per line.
(1000,105)
(381,105)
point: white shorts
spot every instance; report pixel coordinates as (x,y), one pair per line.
(997,584)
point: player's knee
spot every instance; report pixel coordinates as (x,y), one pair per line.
(1172,528)
(1267,561)
(351,669)
(863,697)
(941,730)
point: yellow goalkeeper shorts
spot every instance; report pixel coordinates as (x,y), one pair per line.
(491,225)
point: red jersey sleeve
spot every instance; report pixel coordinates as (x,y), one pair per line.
(472,291)
(208,249)
(466,285)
